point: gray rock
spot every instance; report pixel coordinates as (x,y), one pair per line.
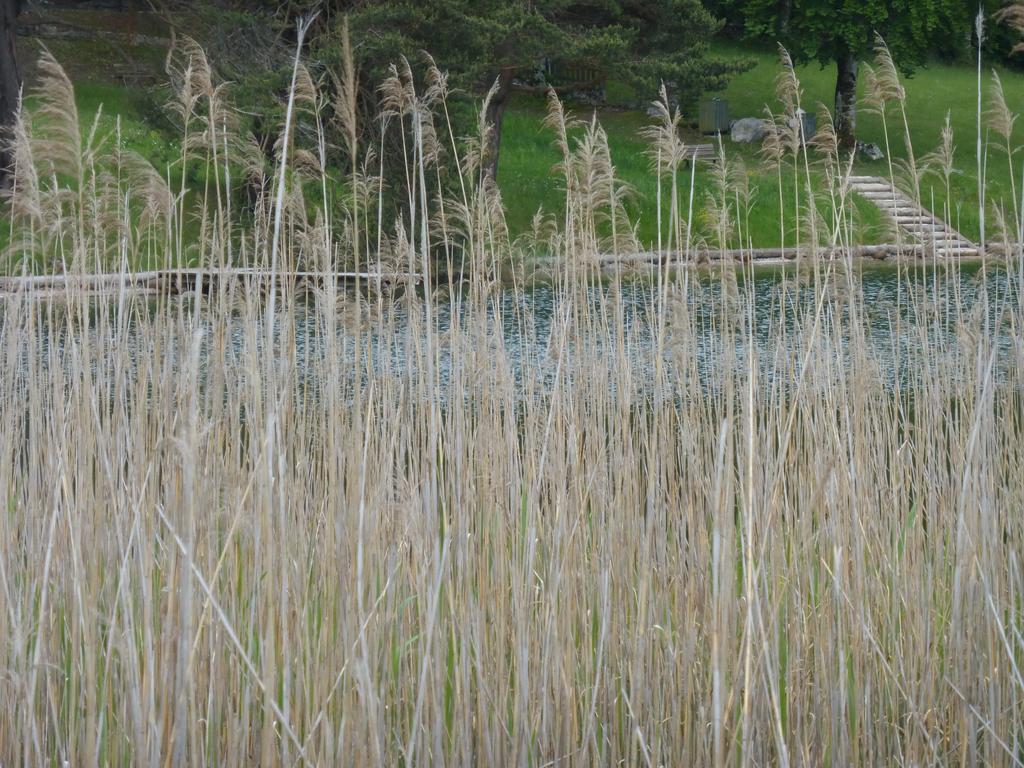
(748,130)
(869,151)
(654,111)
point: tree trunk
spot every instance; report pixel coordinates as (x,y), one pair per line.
(782,21)
(846,101)
(10,81)
(495,116)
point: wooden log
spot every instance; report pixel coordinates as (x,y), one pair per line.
(177,280)
(189,279)
(81,282)
(697,256)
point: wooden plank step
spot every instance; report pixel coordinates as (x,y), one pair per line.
(939,236)
(912,218)
(897,209)
(922,225)
(898,206)
(871,192)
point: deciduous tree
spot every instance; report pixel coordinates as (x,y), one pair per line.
(842,32)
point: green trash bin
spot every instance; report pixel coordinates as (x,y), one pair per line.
(714,116)
(808,124)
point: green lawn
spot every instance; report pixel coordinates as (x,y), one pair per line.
(931,92)
(527,181)
(528,152)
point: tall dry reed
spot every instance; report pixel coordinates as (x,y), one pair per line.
(235,532)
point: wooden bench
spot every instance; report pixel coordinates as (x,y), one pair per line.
(701,153)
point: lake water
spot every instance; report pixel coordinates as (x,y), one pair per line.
(696,332)
(711,327)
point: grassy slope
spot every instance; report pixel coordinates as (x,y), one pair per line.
(95,66)
(528,153)
(931,92)
(527,182)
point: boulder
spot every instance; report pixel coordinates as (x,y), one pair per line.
(748,130)
(869,151)
(655,111)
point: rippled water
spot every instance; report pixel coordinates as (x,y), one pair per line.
(711,328)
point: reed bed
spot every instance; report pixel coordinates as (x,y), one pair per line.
(220,546)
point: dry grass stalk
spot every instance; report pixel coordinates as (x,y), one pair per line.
(237,528)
